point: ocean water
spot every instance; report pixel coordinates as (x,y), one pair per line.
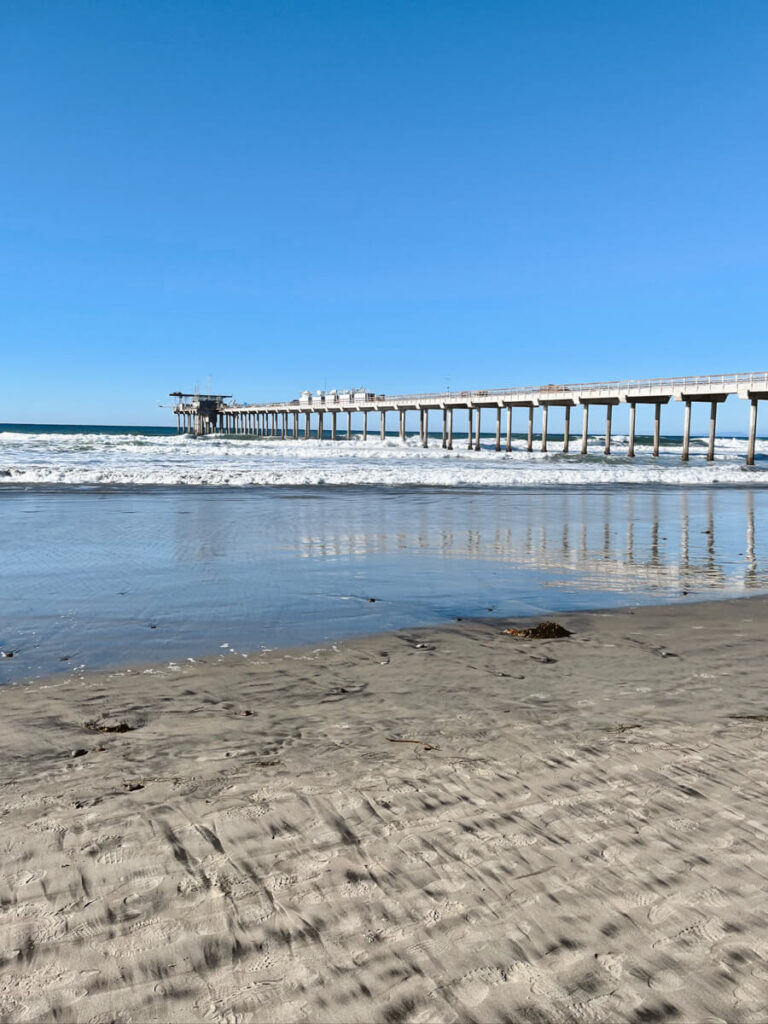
(126,546)
(141,457)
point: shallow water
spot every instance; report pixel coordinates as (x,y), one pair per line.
(111,576)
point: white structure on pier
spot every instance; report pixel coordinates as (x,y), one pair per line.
(208,414)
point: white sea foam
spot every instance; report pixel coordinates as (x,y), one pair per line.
(134,459)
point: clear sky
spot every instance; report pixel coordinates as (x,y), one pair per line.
(262,197)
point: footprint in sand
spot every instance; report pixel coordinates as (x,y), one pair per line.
(472,991)
(667,981)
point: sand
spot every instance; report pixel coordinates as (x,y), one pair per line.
(436,825)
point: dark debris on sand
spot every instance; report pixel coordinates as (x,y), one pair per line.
(544,631)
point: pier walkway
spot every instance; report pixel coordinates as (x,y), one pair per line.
(210,414)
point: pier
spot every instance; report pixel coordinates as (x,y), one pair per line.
(202,415)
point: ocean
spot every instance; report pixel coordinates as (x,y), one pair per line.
(143,456)
(124,546)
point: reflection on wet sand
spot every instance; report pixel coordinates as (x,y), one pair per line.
(611,541)
(115,577)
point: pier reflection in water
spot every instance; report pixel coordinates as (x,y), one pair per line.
(660,543)
(111,577)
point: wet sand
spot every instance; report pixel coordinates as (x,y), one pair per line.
(450,824)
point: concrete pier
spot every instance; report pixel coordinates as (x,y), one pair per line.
(544,422)
(203,415)
(656,428)
(686,430)
(566,428)
(752,433)
(584,429)
(632,417)
(608,419)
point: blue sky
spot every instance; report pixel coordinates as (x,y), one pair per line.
(403,196)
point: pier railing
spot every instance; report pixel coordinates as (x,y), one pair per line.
(640,386)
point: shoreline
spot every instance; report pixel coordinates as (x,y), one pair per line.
(220,660)
(436,824)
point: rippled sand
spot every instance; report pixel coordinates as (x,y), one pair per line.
(443,825)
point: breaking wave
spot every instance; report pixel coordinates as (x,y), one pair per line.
(83,459)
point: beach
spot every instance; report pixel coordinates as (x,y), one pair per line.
(442,824)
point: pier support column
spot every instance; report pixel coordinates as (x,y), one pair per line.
(445,427)
(349,426)
(567,428)
(712,422)
(365,425)
(498,429)
(686,431)
(584,430)
(425,439)
(752,433)
(402,424)
(469,428)
(608,420)
(306,426)
(477,430)
(383,425)
(284,432)
(333,425)
(656,428)
(319,426)
(509,428)
(421,426)
(450,429)
(544,423)
(530,428)
(295,426)
(632,414)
